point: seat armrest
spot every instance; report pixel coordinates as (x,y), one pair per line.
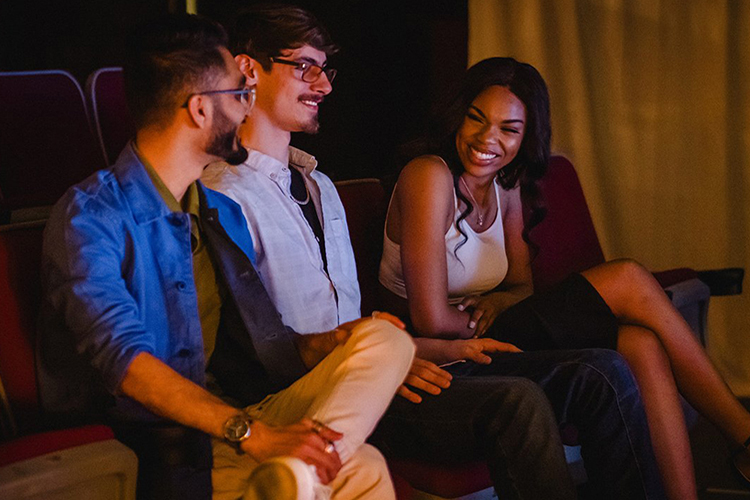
(688,292)
(98,470)
(726,281)
(690,298)
(42,443)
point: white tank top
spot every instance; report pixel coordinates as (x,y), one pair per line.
(478,266)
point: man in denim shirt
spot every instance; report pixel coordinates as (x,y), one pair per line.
(154,319)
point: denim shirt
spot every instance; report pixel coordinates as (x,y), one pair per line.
(118,281)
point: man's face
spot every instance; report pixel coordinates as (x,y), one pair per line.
(289,102)
(228,114)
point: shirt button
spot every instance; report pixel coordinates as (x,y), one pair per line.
(185,353)
(181,285)
(284,169)
(273,176)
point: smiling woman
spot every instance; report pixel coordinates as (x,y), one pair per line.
(491,145)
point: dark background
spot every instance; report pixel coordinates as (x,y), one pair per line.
(397,59)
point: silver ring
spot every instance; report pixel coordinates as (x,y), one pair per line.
(317,427)
(330,448)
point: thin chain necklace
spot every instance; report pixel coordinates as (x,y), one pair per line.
(480,216)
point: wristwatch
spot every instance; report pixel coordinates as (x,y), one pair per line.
(237,429)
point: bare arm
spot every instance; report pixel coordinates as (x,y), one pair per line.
(422,212)
(165,392)
(517,284)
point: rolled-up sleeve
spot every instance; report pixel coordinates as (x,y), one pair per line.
(87,258)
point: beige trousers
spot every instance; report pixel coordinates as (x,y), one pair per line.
(348,391)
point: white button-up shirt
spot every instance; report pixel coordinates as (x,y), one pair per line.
(287,253)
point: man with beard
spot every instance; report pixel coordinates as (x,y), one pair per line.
(156,322)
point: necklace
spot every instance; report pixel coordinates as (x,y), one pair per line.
(296,179)
(480,216)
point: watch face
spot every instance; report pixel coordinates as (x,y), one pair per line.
(237,428)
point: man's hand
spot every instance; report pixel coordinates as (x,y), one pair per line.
(426,376)
(304,440)
(313,347)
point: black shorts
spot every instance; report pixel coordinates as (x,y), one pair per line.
(571,315)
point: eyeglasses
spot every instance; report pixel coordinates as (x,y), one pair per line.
(310,72)
(245,95)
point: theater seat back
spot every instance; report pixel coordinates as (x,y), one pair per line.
(365,204)
(105,91)
(566,239)
(20,288)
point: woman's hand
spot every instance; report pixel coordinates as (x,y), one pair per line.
(432,379)
(477,350)
(484,309)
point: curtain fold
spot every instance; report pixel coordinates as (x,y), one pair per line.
(651,101)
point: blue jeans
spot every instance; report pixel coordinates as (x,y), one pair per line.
(508,414)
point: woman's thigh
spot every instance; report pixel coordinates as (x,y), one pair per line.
(572,315)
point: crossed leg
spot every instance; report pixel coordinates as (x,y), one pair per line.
(347,391)
(665,356)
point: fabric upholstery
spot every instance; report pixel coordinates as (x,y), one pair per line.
(105,93)
(46,143)
(20,253)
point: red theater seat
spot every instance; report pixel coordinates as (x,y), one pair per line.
(34,462)
(46,142)
(105,93)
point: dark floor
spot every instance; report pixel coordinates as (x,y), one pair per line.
(715,478)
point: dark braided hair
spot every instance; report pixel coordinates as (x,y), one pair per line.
(530,164)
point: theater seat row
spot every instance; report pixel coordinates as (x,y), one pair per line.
(53,136)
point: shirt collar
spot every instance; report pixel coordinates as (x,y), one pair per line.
(190,202)
(276,170)
(306,163)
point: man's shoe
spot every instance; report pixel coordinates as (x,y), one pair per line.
(285,478)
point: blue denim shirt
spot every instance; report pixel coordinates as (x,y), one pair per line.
(118,280)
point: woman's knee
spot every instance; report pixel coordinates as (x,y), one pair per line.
(623,284)
(632,274)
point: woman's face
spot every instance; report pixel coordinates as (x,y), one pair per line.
(492,131)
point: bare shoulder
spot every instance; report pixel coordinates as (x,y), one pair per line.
(510,199)
(425,173)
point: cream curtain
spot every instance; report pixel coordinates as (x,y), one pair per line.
(651,101)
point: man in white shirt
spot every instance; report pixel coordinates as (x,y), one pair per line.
(305,259)
(294,213)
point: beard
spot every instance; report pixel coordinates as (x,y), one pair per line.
(224,142)
(312,126)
